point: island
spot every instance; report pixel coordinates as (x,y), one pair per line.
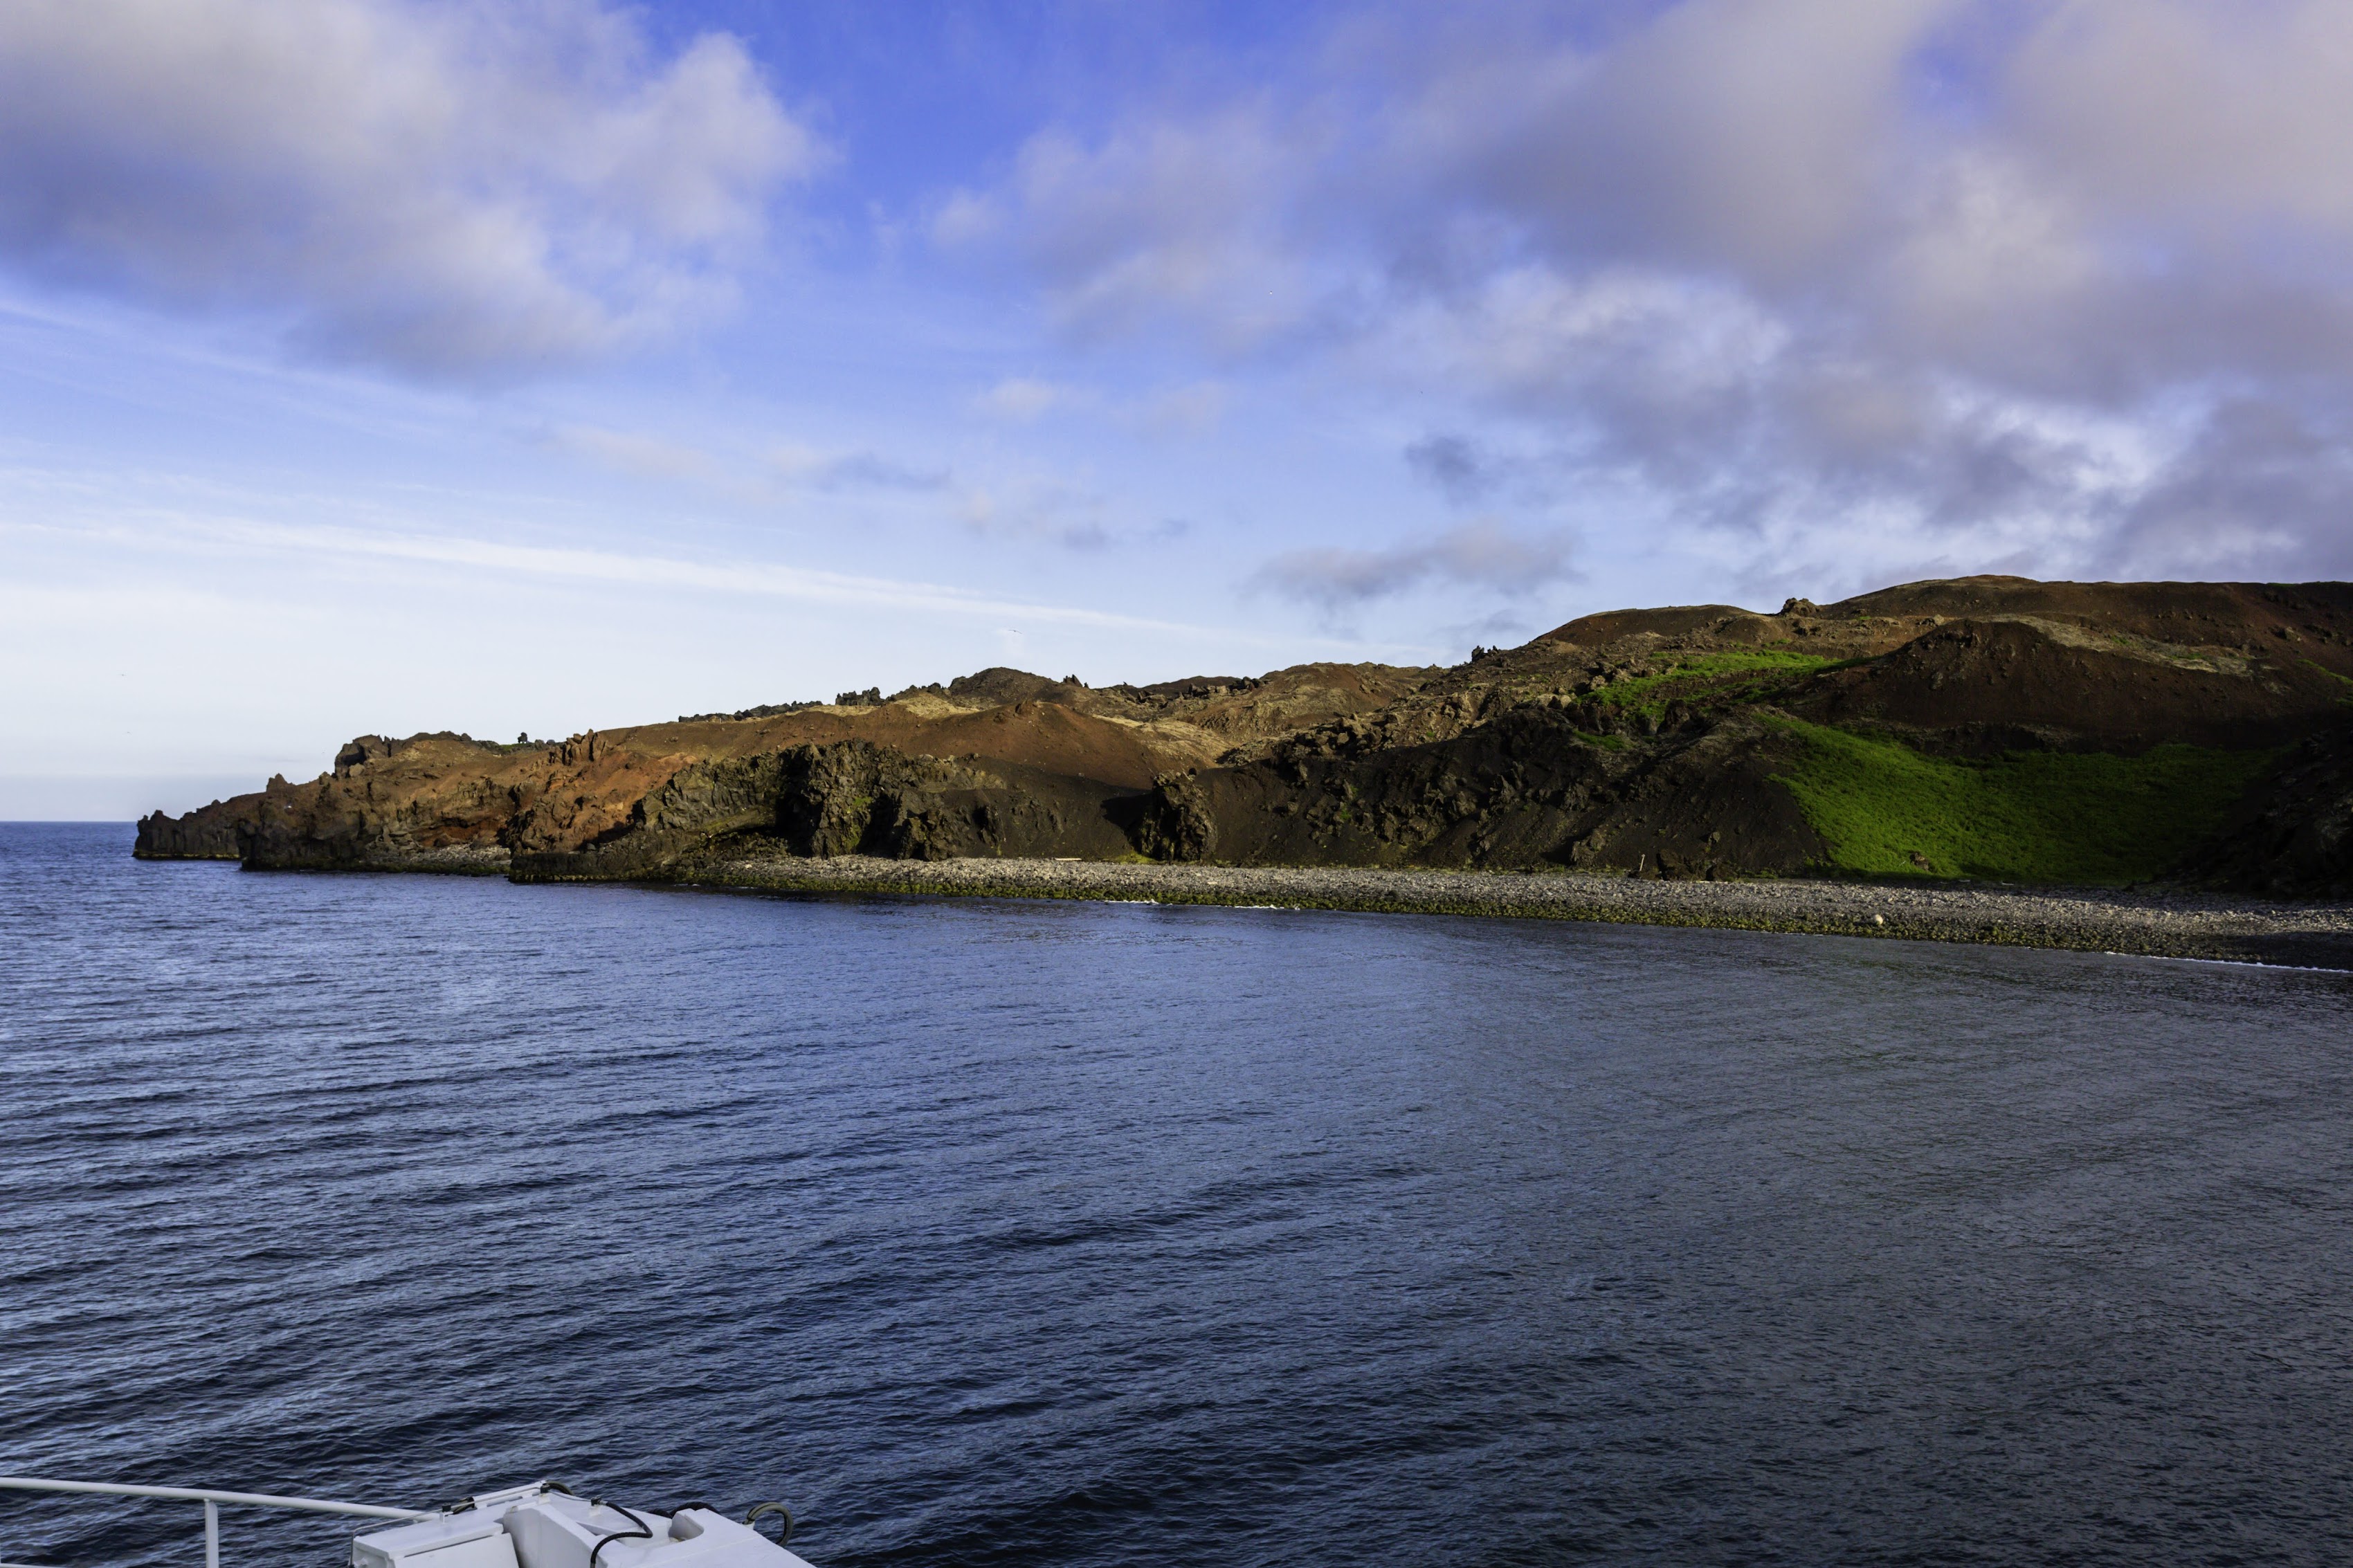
(1987,758)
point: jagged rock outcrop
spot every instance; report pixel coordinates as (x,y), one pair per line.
(208,833)
(323,826)
(695,805)
(854,798)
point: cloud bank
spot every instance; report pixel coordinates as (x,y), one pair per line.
(1482,554)
(452,191)
(2059,285)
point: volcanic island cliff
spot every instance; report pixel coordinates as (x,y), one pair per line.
(1983,729)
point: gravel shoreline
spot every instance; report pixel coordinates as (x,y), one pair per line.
(2161,924)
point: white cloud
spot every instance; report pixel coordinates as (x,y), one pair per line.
(2067,285)
(455,190)
(750,579)
(818,468)
(1189,219)
(1194,409)
(1029,509)
(1021,399)
(1482,554)
(632,452)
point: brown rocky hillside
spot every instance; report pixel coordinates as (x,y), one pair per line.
(1990,727)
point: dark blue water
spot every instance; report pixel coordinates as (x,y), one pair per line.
(1019,1233)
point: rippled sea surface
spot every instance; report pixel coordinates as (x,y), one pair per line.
(1061,1234)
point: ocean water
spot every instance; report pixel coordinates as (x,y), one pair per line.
(1001,1232)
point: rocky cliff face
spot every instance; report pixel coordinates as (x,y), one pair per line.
(208,833)
(1535,785)
(1698,740)
(2294,835)
(854,798)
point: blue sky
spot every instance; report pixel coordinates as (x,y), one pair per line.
(379,365)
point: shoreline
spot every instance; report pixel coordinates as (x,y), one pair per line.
(2144,924)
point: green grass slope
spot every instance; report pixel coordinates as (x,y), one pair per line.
(2027,817)
(1711,679)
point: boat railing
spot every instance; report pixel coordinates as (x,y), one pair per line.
(212,1500)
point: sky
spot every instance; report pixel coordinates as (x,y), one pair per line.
(519,368)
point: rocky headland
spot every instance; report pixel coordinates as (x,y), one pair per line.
(1951,736)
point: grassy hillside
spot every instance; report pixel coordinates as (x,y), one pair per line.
(1714,680)
(2027,817)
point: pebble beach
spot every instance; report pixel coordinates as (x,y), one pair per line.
(2159,923)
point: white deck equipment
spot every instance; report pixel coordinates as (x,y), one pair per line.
(542,1526)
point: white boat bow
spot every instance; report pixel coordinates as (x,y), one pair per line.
(542,1525)
(546,1526)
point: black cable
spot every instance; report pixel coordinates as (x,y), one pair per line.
(759,1508)
(643,1533)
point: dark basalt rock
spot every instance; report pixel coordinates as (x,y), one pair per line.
(2294,837)
(1531,788)
(853,797)
(208,833)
